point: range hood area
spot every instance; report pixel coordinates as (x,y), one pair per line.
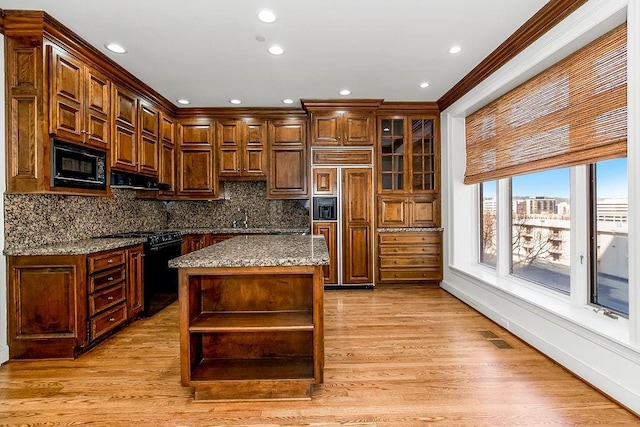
(135,181)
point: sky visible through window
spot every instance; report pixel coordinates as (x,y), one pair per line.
(613,182)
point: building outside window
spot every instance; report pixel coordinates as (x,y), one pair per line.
(488,223)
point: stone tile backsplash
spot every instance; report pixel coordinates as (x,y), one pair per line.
(241,196)
(39,219)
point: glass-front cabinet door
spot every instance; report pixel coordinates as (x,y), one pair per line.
(423,155)
(392,154)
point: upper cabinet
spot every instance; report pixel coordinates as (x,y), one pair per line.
(288,162)
(79,100)
(408,170)
(337,123)
(167,153)
(196,178)
(124,148)
(241,146)
(148,139)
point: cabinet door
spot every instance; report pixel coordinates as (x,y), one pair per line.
(326,129)
(51,326)
(167,168)
(124,149)
(391,155)
(424,212)
(358,127)
(228,134)
(254,161)
(329,231)
(97,122)
(424,156)
(67,94)
(196,161)
(148,137)
(324,181)
(167,129)
(392,211)
(287,160)
(357,225)
(135,281)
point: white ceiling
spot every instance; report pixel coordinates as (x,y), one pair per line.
(206,50)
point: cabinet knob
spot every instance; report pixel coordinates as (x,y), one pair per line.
(395,250)
(395,239)
(395,275)
(109,261)
(109,279)
(110,298)
(113,319)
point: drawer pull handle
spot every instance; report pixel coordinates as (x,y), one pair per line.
(395,250)
(110,279)
(109,261)
(110,298)
(395,275)
(395,239)
(113,319)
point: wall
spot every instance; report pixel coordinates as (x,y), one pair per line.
(603,351)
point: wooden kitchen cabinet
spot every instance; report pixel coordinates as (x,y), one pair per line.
(148,139)
(357,223)
(194,242)
(124,147)
(330,232)
(288,163)
(325,182)
(54,326)
(167,166)
(86,298)
(135,281)
(342,123)
(80,100)
(241,148)
(411,211)
(196,177)
(410,257)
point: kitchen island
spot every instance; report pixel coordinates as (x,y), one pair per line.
(251,317)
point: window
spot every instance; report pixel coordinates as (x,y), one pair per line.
(488,226)
(540,228)
(609,235)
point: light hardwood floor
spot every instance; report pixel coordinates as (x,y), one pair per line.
(395,356)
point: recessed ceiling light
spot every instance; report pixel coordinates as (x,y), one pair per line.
(345,92)
(276,50)
(267,16)
(287,101)
(183,101)
(235,101)
(115,48)
(455,49)
(424,85)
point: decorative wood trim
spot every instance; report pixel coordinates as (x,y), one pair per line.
(342,157)
(408,107)
(332,104)
(239,113)
(538,25)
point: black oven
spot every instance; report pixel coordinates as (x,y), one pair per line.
(77,167)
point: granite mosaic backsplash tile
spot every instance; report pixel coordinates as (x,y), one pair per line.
(33,220)
(39,219)
(240,196)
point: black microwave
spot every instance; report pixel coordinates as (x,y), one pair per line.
(77,167)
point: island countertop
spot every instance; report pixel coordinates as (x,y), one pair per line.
(258,251)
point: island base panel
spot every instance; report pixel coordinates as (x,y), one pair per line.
(254,391)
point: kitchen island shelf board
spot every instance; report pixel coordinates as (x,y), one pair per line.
(252,321)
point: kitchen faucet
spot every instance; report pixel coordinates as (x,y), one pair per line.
(246,219)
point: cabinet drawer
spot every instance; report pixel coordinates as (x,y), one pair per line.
(106,321)
(106,278)
(403,261)
(106,298)
(409,238)
(418,274)
(104,260)
(397,249)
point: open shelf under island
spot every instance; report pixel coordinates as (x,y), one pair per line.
(251,317)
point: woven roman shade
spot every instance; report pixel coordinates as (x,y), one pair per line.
(574,112)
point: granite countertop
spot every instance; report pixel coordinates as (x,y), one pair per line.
(239,230)
(258,251)
(410,230)
(80,247)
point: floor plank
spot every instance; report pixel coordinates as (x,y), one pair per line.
(394,356)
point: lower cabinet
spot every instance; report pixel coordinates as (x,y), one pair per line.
(330,232)
(60,305)
(194,242)
(410,257)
